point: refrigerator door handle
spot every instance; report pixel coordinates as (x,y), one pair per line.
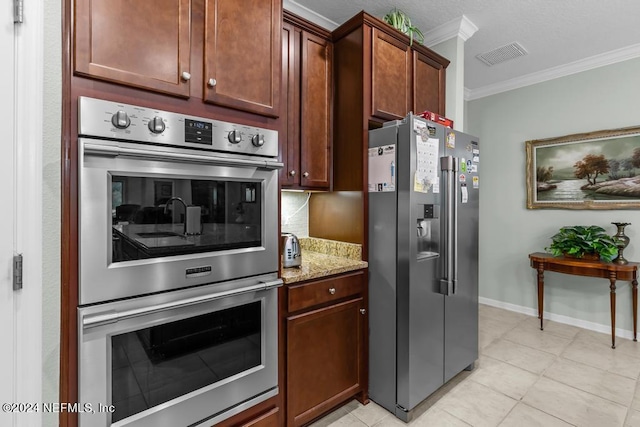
(449,167)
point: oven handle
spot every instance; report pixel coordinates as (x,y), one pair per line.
(113,316)
(115,151)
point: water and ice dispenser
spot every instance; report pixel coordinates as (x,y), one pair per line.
(428,230)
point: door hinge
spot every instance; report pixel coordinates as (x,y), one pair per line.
(17,272)
(18,11)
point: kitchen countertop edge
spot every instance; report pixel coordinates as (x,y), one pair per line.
(316,265)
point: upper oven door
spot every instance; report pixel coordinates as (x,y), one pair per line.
(155,219)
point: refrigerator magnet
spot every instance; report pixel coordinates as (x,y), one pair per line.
(464,193)
(463,165)
(476,181)
(463,178)
(451,140)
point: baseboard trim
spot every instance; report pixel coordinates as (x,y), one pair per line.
(592,326)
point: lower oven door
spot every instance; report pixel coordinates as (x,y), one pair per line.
(182,358)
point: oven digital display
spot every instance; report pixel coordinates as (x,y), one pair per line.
(198,132)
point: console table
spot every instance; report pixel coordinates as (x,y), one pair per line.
(579,267)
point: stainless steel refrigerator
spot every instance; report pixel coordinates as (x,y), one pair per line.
(423,260)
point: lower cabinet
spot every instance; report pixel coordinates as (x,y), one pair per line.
(326,346)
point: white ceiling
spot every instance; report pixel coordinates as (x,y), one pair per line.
(561,36)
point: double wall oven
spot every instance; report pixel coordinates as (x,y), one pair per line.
(177,311)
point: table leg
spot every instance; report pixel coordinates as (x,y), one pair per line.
(612,279)
(634,299)
(540,294)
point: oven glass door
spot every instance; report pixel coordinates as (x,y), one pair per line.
(154,365)
(154,220)
(158,216)
(164,362)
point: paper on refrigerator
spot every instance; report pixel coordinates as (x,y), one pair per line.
(382,168)
(426,160)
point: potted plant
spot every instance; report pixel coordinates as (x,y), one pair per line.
(401,22)
(583,242)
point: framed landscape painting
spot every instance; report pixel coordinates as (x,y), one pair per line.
(595,170)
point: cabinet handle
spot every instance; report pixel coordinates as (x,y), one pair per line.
(186,76)
(332,291)
(292,173)
(306,174)
(212,82)
(363,311)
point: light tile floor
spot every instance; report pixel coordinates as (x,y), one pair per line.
(562,376)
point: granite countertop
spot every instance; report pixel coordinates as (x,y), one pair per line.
(321,258)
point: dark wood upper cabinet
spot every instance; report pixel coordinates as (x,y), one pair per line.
(315,111)
(145,44)
(225,52)
(242,54)
(306,124)
(428,84)
(390,76)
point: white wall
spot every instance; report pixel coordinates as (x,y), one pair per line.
(603,98)
(51,206)
(294,215)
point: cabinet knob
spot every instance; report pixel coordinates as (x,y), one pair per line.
(186,76)
(292,173)
(332,291)
(212,82)
(363,311)
(306,174)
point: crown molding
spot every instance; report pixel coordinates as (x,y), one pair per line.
(597,61)
(309,14)
(460,27)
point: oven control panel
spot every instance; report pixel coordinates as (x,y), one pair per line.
(114,120)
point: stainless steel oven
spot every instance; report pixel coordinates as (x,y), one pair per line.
(183,358)
(169,201)
(178,239)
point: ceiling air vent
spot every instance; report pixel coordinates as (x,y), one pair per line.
(501,54)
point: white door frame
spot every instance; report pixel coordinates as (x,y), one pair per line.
(8,377)
(26,118)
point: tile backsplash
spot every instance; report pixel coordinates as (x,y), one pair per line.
(294,215)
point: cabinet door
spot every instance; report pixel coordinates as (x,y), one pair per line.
(324,359)
(390,77)
(243,54)
(315,112)
(290,109)
(142,43)
(428,85)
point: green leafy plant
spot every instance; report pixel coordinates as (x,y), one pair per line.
(401,22)
(579,240)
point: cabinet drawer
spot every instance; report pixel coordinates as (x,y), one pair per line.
(270,419)
(322,291)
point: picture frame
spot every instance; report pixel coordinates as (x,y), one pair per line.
(593,170)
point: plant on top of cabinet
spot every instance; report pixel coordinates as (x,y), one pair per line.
(401,22)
